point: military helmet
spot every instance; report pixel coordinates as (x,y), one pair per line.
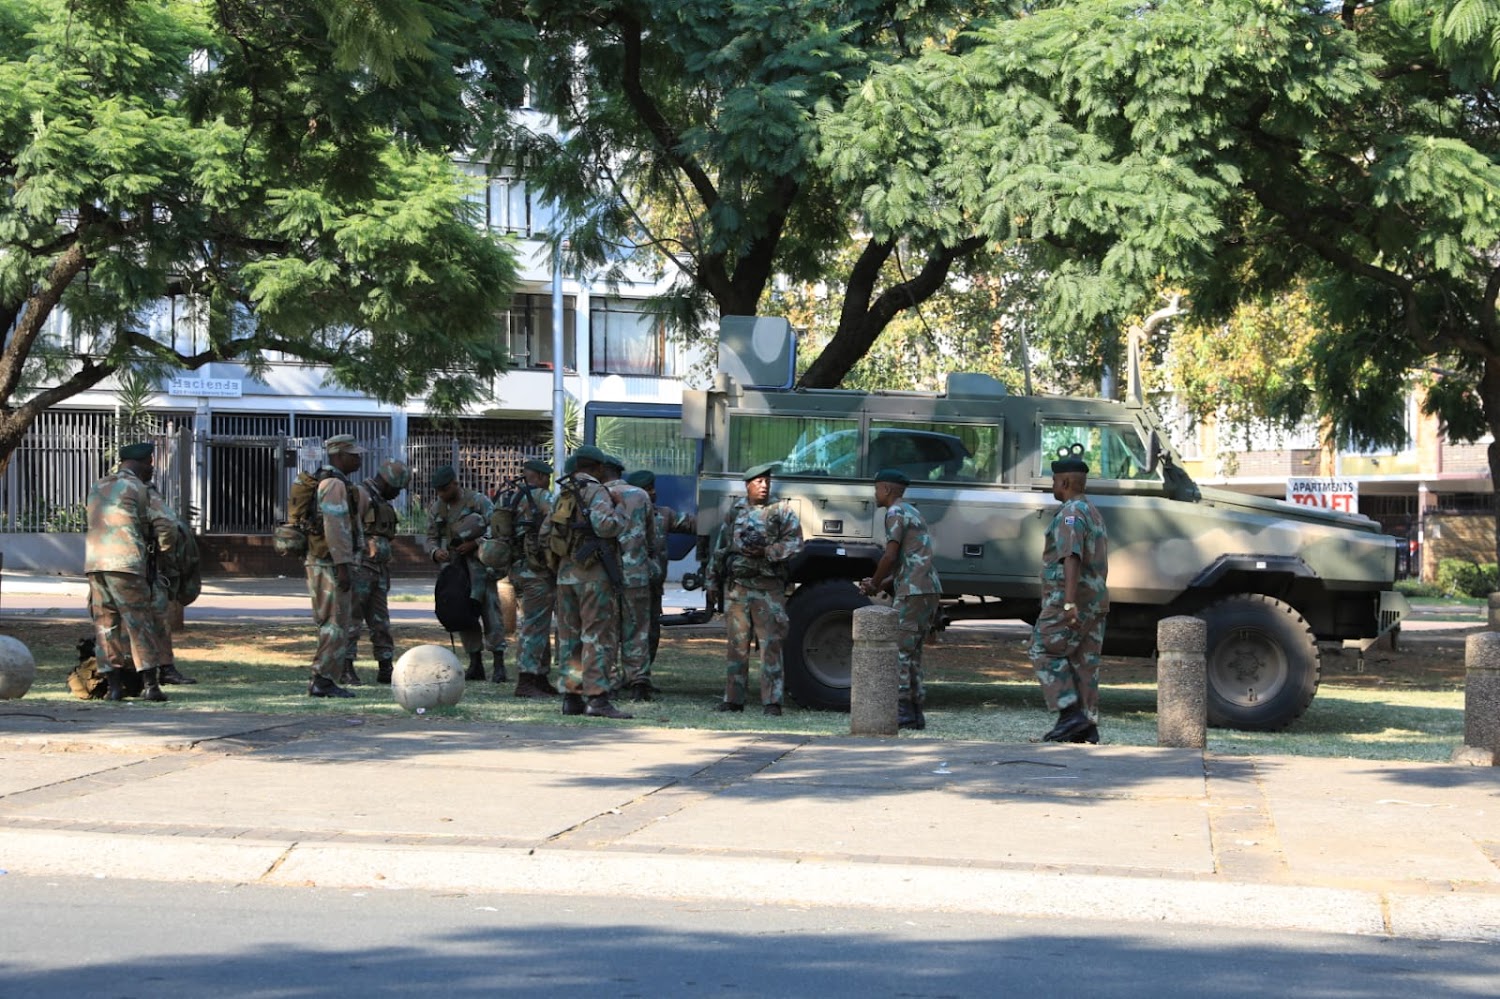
(395,473)
(469,527)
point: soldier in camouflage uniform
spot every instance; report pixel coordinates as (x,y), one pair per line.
(906,567)
(1069,632)
(164,591)
(123,528)
(587,620)
(452,505)
(332,558)
(749,567)
(372,576)
(530,503)
(638,544)
(668,521)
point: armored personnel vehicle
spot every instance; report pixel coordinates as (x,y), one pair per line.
(1271,580)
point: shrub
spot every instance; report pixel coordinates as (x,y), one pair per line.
(1417,588)
(1458,577)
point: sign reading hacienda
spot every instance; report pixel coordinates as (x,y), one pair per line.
(228,388)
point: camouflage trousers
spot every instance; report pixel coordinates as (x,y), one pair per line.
(491,631)
(1066,660)
(127,625)
(588,632)
(753,610)
(371,595)
(914,619)
(635,635)
(535,597)
(333,613)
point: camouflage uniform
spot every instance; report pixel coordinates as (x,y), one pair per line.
(587,621)
(754,592)
(333,608)
(441,517)
(123,592)
(668,521)
(371,586)
(536,586)
(918,591)
(638,554)
(1067,659)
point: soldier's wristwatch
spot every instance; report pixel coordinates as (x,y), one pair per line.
(1070,606)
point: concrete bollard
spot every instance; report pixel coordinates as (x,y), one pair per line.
(1481,699)
(873,667)
(1494,614)
(1182,683)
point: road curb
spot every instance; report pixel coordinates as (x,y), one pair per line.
(762,881)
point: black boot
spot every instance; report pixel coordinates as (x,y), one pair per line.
(476,666)
(641,690)
(151,685)
(909,715)
(169,674)
(1070,721)
(321,686)
(543,685)
(348,677)
(498,676)
(572,704)
(116,686)
(383,671)
(600,707)
(1089,735)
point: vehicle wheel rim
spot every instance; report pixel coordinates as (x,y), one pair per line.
(1248,668)
(828,648)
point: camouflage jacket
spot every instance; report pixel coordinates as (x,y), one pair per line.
(777,522)
(377,519)
(529,507)
(442,516)
(668,521)
(341,529)
(914,574)
(1077,529)
(638,541)
(607,520)
(124,524)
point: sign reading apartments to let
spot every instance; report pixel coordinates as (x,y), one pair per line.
(1330,494)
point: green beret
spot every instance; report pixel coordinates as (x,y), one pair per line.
(893,475)
(643,478)
(443,475)
(589,453)
(613,461)
(139,451)
(537,465)
(759,470)
(571,465)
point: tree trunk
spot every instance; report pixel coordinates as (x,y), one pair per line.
(1489,392)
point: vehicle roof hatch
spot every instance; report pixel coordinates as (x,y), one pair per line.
(974,385)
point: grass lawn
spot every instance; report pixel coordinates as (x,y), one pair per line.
(1404,705)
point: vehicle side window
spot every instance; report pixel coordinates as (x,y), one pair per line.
(1112,450)
(803,445)
(934,452)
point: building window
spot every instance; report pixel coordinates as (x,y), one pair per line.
(527,332)
(626,339)
(503,202)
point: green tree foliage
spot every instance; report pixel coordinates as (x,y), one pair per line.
(1236,148)
(694,130)
(280,165)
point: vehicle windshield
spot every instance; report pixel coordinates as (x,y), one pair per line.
(1112,450)
(804,446)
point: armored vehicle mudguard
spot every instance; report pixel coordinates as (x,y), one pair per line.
(1271,579)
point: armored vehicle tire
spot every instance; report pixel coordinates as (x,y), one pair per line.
(820,645)
(1263,663)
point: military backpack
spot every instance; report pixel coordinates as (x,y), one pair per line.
(302,534)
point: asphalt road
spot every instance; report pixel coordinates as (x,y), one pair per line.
(98,937)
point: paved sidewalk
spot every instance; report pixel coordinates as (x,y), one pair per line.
(1117,833)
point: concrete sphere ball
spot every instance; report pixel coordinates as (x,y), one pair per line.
(17,668)
(427,676)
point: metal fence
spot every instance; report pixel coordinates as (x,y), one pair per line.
(236,478)
(46,484)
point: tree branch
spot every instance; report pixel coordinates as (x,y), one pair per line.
(38,308)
